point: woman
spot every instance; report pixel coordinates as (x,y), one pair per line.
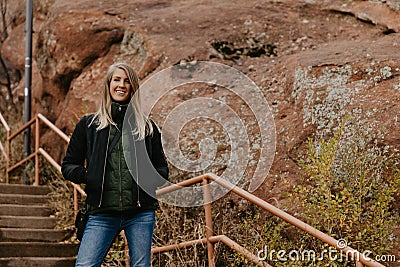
(121,173)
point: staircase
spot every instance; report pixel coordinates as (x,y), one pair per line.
(27,234)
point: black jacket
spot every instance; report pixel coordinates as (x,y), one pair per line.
(86,156)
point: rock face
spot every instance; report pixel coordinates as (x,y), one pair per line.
(314,61)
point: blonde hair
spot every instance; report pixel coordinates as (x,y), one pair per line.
(102,118)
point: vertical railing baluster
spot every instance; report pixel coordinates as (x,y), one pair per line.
(76,204)
(209,222)
(8,152)
(37,145)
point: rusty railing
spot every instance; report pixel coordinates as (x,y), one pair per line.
(210,239)
(39,118)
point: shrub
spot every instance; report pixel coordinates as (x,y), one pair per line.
(350,187)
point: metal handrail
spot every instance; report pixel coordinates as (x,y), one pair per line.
(53,127)
(8,131)
(5,124)
(360,261)
(38,151)
(213,239)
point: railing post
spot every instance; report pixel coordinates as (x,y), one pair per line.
(209,222)
(37,145)
(76,204)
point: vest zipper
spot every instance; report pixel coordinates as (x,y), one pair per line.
(120,176)
(137,175)
(104,168)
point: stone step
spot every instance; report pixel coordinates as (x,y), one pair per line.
(23,199)
(38,262)
(24,210)
(24,189)
(36,235)
(37,249)
(27,222)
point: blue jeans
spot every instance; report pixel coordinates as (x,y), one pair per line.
(101,230)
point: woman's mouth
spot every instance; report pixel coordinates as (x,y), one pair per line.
(120,92)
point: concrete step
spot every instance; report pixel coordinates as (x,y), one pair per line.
(27,234)
(27,222)
(23,199)
(24,189)
(36,235)
(37,249)
(24,210)
(38,262)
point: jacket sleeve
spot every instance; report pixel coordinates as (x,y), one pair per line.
(73,165)
(158,157)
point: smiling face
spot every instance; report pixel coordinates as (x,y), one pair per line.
(120,87)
